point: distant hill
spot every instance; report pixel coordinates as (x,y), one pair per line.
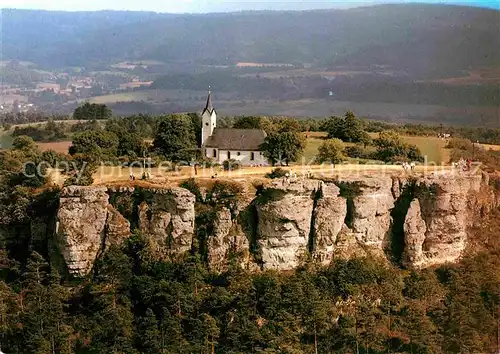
(430,40)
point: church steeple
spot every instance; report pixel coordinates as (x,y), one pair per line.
(209,107)
(208,119)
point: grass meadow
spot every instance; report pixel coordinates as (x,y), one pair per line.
(431,147)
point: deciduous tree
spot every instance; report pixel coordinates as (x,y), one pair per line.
(90,111)
(176,138)
(332,151)
(283,148)
(101,144)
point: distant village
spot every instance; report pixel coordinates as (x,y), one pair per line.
(21,96)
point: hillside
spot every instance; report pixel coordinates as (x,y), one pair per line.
(435,40)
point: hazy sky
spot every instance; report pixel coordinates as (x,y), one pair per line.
(181,6)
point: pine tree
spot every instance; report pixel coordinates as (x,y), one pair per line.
(148,334)
(8,319)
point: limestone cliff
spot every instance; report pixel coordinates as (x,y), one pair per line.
(438,218)
(228,240)
(329,215)
(169,220)
(285,224)
(85,218)
(372,203)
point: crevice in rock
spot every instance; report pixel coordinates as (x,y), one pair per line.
(140,195)
(204,228)
(396,244)
(170,239)
(123,203)
(311,242)
(349,216)
(349,191)
(102,248)
(249,219)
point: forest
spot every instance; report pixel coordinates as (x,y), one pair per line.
(358,37)
(134,303)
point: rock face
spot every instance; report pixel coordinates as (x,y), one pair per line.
(81,226)
(371,208)
(169,220)
(414,230)
(117,228)
(228,240)
(284,223)
(437,221)
(218,244)
(288,222)
(329,216)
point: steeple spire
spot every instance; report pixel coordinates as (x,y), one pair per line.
(209,107)
(208,119)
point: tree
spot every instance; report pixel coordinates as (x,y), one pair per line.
(391,147)
(287,125)
(211,332)
(90,111)
(283,147)
(9,313)
(131,144)
(101,144)
(332,151)
(52,157)
(248,122)
(113,329)
(148,333)
(176,138)
(82,168)
(348,129)
(23,165)
(24,143)
(43,315)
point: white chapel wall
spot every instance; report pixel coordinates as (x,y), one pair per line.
(245,157)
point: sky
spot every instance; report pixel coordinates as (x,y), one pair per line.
(203,6)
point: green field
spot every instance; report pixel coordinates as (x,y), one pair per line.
(432,148)
(6,135)
(325,108)
(311,149)
(151,96)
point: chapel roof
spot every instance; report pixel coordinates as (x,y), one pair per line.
(236,139)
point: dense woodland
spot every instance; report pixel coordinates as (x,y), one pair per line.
(358,37)
(134,304)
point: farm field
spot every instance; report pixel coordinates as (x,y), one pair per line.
(311,149)
(491,147)
(58,146)
(432,147)
(153,96)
